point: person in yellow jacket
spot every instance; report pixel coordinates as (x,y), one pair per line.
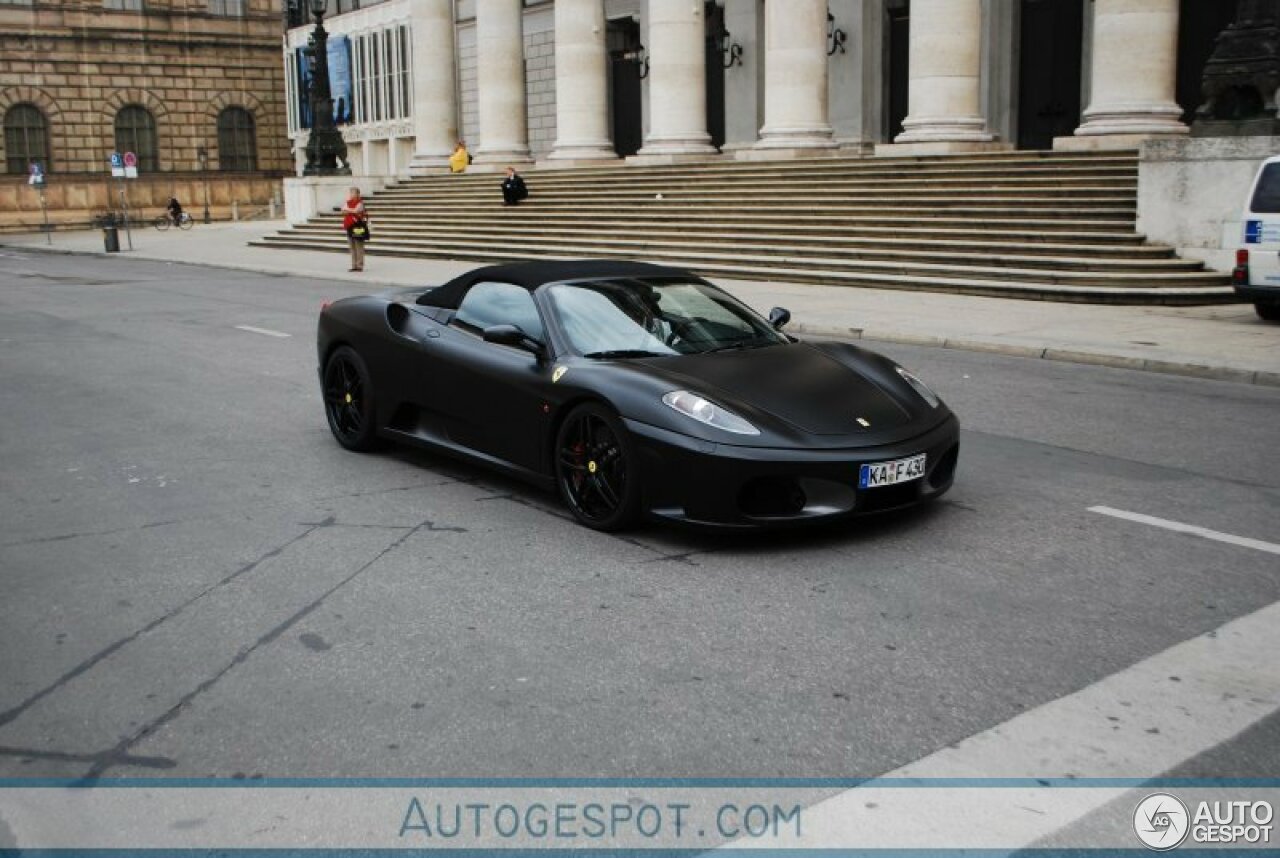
(460,158)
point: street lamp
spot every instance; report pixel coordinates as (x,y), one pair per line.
(325,146)
(202,155)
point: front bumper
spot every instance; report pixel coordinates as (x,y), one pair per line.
(697,482)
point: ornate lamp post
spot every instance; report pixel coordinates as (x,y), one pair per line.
(202,155)
(325,146)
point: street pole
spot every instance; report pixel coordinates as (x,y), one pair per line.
(124,207)
(44,211)
(325,145)
(202,155)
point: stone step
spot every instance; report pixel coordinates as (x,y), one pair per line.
(697,257)
(1112,229)
(1029,289)
(756,235)
(1048,179)
(760,196)
(661,208)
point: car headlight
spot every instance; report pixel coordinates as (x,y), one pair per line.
(919,387)
(705,411)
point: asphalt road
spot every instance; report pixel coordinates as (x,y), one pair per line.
(196,580)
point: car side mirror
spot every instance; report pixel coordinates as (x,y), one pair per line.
(778,317)
(511,335)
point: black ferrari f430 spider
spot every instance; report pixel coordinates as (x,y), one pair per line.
(634,389)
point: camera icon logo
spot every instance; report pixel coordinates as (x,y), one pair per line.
(1161,822)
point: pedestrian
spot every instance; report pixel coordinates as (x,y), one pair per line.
(355,220)
(513,188)
(460,159)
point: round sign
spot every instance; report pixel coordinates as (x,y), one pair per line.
(130,159)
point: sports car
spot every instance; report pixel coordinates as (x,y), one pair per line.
(634,390)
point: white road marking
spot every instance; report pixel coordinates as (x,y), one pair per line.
(1193,529)
(1140,722)
(264,331)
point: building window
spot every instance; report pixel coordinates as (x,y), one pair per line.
(227,8)
(136,133)
(237,148)
(26,138)
(122,5)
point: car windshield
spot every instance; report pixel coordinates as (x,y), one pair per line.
(645,318)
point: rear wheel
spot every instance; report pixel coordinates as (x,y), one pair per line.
(596,469)
(161,223)
(348,400)
(1268,311)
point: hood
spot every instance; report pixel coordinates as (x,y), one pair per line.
(795,383)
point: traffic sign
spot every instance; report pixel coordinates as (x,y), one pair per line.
(35,174)
(117,165)
(130,159)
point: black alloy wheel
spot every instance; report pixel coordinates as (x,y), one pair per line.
(595,469)
(348,400)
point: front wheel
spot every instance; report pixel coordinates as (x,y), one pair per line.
(1268,311)
(348,400)
(596,470)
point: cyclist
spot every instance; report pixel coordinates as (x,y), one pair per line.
(175,211)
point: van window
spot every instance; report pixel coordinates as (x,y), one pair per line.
(1266,199)
(488,304)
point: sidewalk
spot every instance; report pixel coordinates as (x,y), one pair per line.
(1225,342)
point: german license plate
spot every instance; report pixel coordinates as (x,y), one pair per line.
(878,474)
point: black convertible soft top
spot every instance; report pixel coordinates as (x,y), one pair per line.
(531,275)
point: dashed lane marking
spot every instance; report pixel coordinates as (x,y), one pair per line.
(1192,529)
(266,332)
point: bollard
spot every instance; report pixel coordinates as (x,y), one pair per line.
(111,239)
(235,210)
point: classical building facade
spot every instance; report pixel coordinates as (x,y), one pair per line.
(193,87)
(576,80)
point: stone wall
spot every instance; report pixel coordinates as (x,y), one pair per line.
(80,62)
(74,200)
(1191,193)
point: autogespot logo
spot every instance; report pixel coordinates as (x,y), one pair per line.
(1161,822)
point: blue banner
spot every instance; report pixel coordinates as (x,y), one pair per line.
(340,85)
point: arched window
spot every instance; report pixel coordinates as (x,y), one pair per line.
(136,133)
(26,138)
(237,148)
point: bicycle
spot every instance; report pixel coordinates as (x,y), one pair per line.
(164,222)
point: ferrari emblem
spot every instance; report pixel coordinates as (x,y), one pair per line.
(560,371)
(591,466)
(863,423)
(348,398)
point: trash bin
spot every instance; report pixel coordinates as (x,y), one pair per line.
(111,238)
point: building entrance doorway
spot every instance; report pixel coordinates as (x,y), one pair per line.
(898,49)
(626,70)
(1049,71)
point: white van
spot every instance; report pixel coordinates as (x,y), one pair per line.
(1257,273)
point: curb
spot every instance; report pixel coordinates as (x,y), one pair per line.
(1164,367)
(1262,378)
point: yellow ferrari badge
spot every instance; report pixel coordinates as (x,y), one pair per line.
(591,466)
(559,372)
(348,398)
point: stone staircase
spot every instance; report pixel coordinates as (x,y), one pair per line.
(1039,225)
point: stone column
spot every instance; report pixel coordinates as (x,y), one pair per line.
(435,108)
(504,131)
(1134,75)
(944,77)
(582,83)
(795,77)
(677,80)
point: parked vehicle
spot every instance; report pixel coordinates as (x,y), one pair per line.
(1257,272)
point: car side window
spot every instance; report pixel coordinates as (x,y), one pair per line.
(1266,199)
(488,304)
